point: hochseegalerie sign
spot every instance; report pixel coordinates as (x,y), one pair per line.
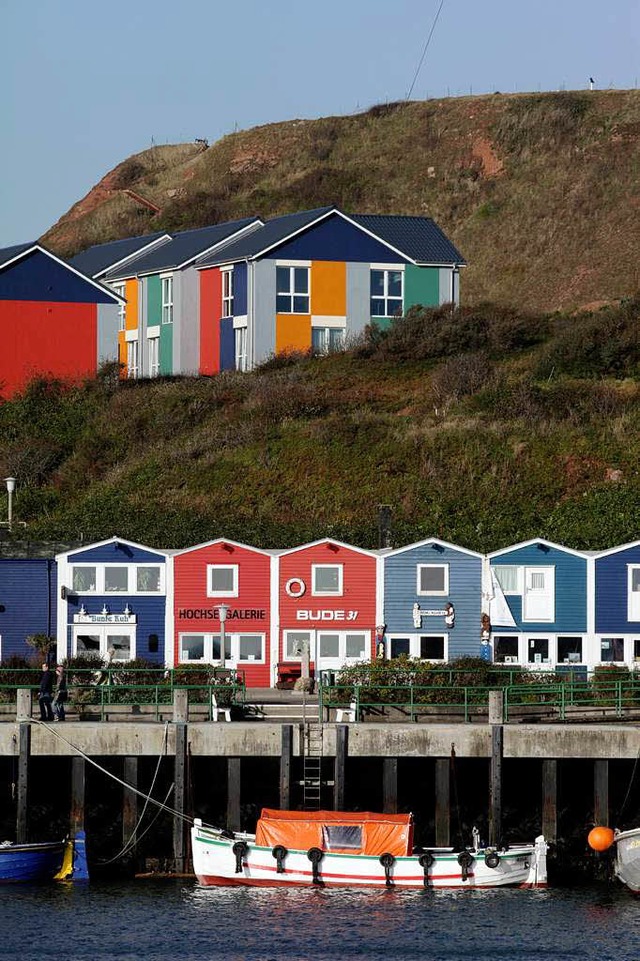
(213,614)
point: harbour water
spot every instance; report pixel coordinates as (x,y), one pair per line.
(165,921)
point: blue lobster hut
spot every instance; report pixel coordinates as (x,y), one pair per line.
(27,603)
(544,589)
(432,601)
(617,605)
(112,601)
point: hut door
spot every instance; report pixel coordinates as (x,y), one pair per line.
(538,603)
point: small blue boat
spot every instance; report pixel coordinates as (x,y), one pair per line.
(30,862)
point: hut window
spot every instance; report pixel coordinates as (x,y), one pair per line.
(508,579)
(223,580)
(432,648)
(433,579)
(611,649)
(569,650)
(83,579)
(116,579)
(292,290)
(327,579)
(506,650)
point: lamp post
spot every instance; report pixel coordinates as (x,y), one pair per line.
(11,486)
(223,610)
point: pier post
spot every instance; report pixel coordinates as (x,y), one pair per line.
(340,765)
(23,711)
(286,751)
(601,792)
(550,799)
(496,717)
(180,718)
(130,803)
(233,793)
(443,802)
(78,786)
(390,785)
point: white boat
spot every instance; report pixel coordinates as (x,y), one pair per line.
(355,849)
(627,860)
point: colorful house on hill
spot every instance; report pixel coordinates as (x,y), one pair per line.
(235,580)
(112,601)
(312,279)
(28,594)
(49,318)
(617,605)
(546,589)
(159,333)
(327,599)
(432,601)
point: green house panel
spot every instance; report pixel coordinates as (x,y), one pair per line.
(154,302)
(421,286)
(166,349)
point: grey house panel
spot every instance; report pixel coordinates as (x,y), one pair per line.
(107,333)
(264,310)
(175,327)
(143,322)
(187,321)
(449,286)
(358,289)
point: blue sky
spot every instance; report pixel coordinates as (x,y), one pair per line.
(87,84)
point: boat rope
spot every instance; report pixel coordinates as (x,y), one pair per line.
(630,785)
(135,838)
(114,777)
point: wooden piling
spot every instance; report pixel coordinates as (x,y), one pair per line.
(390,785)
(286,752)
(78,788)
(23,712)
(233,793)
(443,802)
(496,717)
(550,799)
(129,802)
(180,717)
(601,791)
(340,765)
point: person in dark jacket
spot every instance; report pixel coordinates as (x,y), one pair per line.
(44,695)
(60,693)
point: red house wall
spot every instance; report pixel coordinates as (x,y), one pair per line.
(40,338)
(210,313)
(358,591)
(254,594)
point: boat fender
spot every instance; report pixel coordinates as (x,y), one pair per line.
(315,855)
(240,849)
(387,861)
(465,860)
(492,859)
(426,861)
(279,852)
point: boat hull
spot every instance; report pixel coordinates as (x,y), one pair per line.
(215,864)
(627,862)
(30,862)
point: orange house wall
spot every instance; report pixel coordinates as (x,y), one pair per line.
(40,338)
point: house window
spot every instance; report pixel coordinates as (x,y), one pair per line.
(241,348)
(167,299)
(569,650)
(341,646)
(507,579)
(611,649)
(325,340)
(105,640)
(154,356)
(133,368)
(148,580)
(122,308)
(293,643)
(292,290)
(83,579)
(432,648)
(386,293)
(327,579)
(116,580)
(634,593)
(238,648)
(538,650)
(636,649)
(222,580)
(399,647)
(227,292)
(192,647)
(356,646)
(433,579)
(505,650)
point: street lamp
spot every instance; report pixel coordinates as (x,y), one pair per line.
(223,610)
(11,486)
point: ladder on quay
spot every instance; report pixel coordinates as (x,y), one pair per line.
(312,766)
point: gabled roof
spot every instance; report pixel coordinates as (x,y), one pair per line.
(535,541)
(111,540)
(419,238)
(183,248)
(269,235)
(616,550)
(222,540)
(326,540)
(100,258)
(12,255)
(433,540)
(7,254)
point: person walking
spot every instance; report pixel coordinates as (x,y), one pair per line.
(60,693)
(44,694)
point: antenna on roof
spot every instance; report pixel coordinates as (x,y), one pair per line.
(591,83)
(424,52)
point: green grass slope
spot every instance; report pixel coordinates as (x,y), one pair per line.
(484,426)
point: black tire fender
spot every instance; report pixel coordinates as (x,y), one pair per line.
(387,861)
(279,852)
(240,849)
(492,859)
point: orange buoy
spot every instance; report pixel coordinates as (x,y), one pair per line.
(600,839)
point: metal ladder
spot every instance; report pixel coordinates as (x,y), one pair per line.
(312,766)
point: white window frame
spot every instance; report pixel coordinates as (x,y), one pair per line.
(633,616)
(132,579)
(291,292)
(226,276)
(240,349)
(166,298)
(539,636)
(122,308)
(566,634)
(611,636)
(443,593)
(517,638)
(232,638)
(154,356)
(341,657)
(103,630)
(519,579)
(326,347)
(133,359)
(317,567)
(234,590)
(386,269)
(414,644)
(549,571)
(285,644)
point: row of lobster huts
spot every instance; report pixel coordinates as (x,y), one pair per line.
(536,604)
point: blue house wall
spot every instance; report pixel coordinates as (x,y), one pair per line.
(240,289)
(570,588)
(611,592)
(28,593)
(39,277)
(465,583)
(335,239)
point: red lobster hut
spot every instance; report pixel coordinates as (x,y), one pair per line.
(327,599)
(225,574)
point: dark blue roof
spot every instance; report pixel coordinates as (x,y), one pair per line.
(181,249)
(266,236)
(9,253)
(95,260)
(417,237)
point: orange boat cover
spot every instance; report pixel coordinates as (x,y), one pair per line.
(372,834)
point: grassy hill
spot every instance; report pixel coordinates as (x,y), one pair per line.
(483,426)
(540,192)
